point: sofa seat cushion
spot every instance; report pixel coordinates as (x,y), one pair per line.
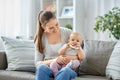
(90,77)
(16,75)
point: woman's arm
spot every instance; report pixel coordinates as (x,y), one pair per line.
(39,59)
(64,59)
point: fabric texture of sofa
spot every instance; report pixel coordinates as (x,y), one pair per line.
(93,67)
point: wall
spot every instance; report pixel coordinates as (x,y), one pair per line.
(90,10)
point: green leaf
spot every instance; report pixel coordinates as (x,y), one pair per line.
(109,22)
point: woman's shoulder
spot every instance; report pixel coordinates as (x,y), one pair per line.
(65,33)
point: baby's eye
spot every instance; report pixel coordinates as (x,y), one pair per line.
(56,24)
(51,27)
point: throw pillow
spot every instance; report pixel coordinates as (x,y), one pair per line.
(97,56)
(113,67)
(20,54)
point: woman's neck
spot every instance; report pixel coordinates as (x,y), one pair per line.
(54,38)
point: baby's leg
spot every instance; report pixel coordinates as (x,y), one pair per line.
(73,64)
(54,66)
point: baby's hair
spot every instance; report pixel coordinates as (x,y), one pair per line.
(76,33)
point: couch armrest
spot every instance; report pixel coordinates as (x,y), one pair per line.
(3,60)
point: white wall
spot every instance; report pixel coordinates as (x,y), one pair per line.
(92,9)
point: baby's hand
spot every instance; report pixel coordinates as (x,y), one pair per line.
(66,46)
(74,47)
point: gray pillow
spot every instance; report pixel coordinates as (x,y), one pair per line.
(113,67)
(20,54)
(97,56)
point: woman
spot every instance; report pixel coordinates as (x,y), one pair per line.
(48,40)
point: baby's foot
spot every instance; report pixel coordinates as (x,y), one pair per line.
(73,64)
(70,64)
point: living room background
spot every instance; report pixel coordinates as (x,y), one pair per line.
(18,17)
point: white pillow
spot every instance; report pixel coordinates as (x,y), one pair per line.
(113,67)
(20,54)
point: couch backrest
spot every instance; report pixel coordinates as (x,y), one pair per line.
(3,60)
(97,56)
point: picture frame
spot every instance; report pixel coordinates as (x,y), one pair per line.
(67,11)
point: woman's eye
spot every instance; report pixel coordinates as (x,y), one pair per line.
(77,40)
(72,39)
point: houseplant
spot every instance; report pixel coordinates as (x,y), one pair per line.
(109,22)
(69,26)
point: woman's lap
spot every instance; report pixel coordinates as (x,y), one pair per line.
(43,72)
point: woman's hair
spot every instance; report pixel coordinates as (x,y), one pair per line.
(42,19)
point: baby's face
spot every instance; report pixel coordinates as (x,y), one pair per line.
(75,40)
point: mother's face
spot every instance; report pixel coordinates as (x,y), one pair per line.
(52,26)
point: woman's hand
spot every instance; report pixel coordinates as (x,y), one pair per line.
(71,57)
(62,60)
(65,59)
(66,46)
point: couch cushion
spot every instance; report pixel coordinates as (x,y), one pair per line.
(97,56)
(90,77)
(16,75)
(20,54)
(113,67)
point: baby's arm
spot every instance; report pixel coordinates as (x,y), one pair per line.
(81,54)
(63,49)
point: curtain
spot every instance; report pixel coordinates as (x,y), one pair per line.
(18,18)
(92,9)
(9,17)
(29,12)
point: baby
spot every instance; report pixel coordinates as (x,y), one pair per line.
(73,47)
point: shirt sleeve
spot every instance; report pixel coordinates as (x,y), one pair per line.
(38,57)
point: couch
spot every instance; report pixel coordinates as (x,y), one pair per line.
(93,66)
